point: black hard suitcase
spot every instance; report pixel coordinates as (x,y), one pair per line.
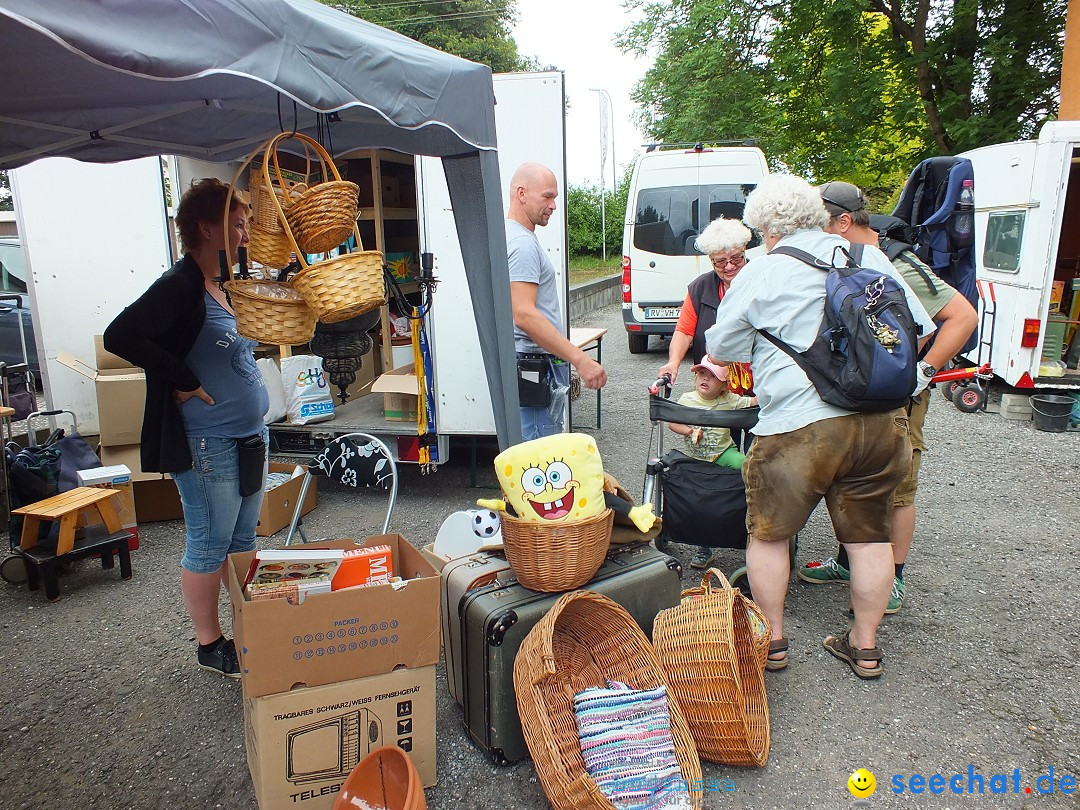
(494,620)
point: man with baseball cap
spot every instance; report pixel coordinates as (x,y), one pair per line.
(955,319)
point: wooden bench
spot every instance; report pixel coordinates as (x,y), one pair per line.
(67,508)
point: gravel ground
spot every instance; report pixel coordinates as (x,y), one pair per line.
(106,708)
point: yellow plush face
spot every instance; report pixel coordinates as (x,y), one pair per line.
(556,479)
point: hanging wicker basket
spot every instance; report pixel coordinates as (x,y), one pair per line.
(556,558)
(266,311)
(584,640)
(270,312)
(340,287)
(268,247)
(321,216)
(710,646)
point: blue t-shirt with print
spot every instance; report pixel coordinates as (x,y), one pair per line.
(225,364)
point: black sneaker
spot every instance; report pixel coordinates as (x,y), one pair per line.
(221,659)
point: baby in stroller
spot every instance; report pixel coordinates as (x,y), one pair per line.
(702,502)
(711,392)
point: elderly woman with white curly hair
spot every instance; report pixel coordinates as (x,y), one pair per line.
(804,448)
(724,241)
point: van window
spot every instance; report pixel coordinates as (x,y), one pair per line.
(669,219)
(1004,232)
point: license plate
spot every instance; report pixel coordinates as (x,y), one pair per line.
(662,312)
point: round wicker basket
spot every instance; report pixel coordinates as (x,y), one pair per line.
(343,287)
(270,312)
(269,247)
(583,640)
(322,217)
(555,558)
(712,647)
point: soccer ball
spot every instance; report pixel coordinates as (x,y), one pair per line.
(485,524)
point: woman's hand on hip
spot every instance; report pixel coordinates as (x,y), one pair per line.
(183,396)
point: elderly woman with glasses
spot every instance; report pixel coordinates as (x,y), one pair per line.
(724,241)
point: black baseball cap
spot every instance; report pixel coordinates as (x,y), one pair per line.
(840,197)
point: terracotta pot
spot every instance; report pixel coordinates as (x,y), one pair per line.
(385,779)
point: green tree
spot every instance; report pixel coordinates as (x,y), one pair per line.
(852,89)
(583,218)
(6,203)
(477,30)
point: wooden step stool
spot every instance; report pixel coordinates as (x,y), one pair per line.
(66,508)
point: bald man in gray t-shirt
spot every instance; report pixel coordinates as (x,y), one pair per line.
(538,324)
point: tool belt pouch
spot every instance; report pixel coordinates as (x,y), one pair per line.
(251,454)
(533,388)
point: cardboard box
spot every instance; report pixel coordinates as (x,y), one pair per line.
(280,502)
(337,636)
(400,394)
(121,394)
(429,554)
(301,745)
(156,496)
(106,359)
(391,192)
(124,504)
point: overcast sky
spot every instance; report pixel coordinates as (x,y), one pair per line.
(577,36)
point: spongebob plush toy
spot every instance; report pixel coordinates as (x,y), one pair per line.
(558,479)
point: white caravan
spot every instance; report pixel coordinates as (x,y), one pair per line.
(1027,252)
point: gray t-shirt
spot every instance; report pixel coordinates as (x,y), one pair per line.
(528,262)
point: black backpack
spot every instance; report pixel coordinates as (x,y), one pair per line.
(865,354)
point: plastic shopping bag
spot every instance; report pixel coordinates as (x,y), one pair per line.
(307,391)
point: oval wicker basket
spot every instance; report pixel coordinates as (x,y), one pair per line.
(711,648)
(343,287)
(555,558)
(583,640)
(321,216)
(270,312)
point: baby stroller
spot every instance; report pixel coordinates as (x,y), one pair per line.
(701,503)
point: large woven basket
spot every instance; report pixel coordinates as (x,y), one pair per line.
(583,640)
(555,558)
(270,312)
(269,247)
(710,646)
(323,215)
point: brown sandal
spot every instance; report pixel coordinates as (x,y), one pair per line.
(842,649)
(777,645)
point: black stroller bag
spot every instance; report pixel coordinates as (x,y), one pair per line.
(704,503)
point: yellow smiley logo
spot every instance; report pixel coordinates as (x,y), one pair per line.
(862,783)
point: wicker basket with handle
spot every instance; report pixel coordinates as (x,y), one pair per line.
(584,640)
(320,215)
(266,311)
(340,287)
(713,647)
(559,557)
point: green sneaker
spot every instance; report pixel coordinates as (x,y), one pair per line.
(896,598)
(819,573)
(702,557)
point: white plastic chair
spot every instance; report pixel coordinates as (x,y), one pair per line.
(367,463)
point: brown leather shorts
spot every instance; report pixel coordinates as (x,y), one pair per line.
(905,493)
(855,462)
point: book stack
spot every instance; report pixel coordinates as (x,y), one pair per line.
(295,574)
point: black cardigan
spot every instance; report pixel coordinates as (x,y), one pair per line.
(156,333)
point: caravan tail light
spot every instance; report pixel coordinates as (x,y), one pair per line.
(626,279)
(1030,338)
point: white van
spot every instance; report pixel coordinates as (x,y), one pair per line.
(674,194)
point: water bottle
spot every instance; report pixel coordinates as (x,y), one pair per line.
(963,218)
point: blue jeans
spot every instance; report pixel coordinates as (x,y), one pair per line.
(537,422)
(218,521)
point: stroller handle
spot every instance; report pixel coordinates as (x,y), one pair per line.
(662,382)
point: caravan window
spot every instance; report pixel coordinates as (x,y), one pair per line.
(668,219)
(1004,232)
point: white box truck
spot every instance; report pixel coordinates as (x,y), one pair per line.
(1027,225)
(674,194)
(115,219)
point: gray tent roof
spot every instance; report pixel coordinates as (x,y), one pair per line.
(112,80)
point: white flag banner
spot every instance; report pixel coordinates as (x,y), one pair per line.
(603,135)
